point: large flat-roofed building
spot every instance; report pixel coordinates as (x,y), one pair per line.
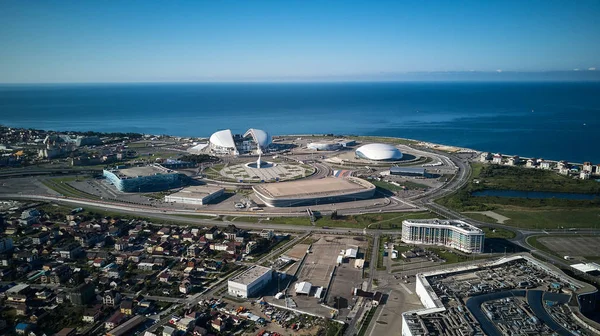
(314,192)
(250,282)
(143,179)
(195,195)
(450,233)
(407,171)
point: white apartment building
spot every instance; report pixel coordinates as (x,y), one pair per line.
(450,233)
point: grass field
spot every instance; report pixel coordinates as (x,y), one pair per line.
(196,216)
(390,220)
(519,178)
(366,321)
(481,217)
(527,213)
(552,218)
(498,233)
(382,241)
(288,220)
(452,257)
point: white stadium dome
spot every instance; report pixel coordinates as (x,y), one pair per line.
(262,138)
(379,152)
(225,143)
(223,139)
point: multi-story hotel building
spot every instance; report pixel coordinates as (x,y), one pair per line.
(451,233)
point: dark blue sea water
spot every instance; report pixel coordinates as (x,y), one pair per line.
(548,120)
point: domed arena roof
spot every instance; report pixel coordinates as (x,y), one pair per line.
(223,138)
(262,138)
(379,152)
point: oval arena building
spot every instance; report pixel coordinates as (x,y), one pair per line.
(314,192)
(378,152)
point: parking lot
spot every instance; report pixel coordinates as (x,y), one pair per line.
(319,267)
(581,246)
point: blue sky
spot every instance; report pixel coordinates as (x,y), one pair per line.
(123,41)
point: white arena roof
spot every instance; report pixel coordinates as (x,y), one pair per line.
(379,152)
(223,138)
(262,138)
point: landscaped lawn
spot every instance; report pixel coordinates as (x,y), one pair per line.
(552,218)
(390,220)
(498,233)
(481,217)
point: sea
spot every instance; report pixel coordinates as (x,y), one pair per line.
(550,120)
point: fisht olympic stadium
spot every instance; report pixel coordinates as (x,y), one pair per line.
(224,142)
(378,152)
(314,192)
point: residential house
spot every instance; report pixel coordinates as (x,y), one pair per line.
(497,159)
(91,315)
(146,266)
(250,247)
(41,238)
(18,294)
(513,161)
(546,165)
(169,331)
(70,251)
(23,328)
(485,157)
(267,234)
(217,324)
(193,250)
(127,307)
(114,320)
(99,262)
(164,277)
(377,298)
(185,324)
(22,309)
(585,175)
(212,233)
(121,245)
(185,286)
(111,298)
(82,294)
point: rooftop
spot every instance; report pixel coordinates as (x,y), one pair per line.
(197,191)
(18,288)
(140,171)
(398,169)
(443,222)
(586,268)
(251,275)
(309,188)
